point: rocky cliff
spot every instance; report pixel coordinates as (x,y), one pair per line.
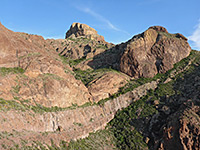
(154,51)
(83,30)
(151,52)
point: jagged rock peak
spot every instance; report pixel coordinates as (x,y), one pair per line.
(83,30)
(159,28)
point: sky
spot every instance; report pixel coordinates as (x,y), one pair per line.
(116,20)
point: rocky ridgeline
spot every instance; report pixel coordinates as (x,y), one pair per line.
(151,52)
(81,41)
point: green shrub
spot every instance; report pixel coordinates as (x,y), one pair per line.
(86,76)
(16,70)
(71,62)
(76,61)
(125,124)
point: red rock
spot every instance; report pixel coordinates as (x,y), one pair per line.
(83,30)
(152,52)
(45,79)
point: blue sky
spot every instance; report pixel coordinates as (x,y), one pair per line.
(116,20)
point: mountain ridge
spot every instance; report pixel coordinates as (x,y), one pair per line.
(85,73)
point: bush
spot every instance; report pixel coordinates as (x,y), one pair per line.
(5,71)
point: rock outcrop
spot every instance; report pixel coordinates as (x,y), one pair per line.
(182,129)
(106,85)
(79,47)
(45,79)
(154,51)
(81,41)
(82,30)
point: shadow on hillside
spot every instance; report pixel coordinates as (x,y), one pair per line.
(108,59)
(186,95)
(145,119)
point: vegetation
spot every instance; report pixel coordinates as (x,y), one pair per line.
(86,76)
(6,71)
(89,75)
(169,35)
(34,54)
(130,86)
(129,121)
(25,105)
(126,123)
(126,126)
(76,61)
(72,62)
(103,139)
(52,76)
(77,124)
(6,105)
(72,39)
(101,46)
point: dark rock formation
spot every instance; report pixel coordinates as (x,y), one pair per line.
(177,123)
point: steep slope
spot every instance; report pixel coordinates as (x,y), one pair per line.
(167,118)
(180,129)
(154,51)
(43,79)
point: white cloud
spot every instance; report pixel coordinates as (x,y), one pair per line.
(53,37)
(101,18)
(195,37)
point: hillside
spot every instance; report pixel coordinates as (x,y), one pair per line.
(85,93)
